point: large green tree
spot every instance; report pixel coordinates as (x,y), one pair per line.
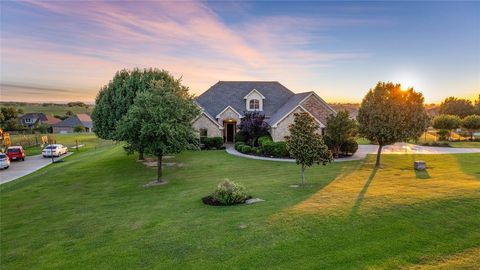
(160,120)
(340,129)
(457,106)
(305,144)
(471,123)
(388,115)
(114,100)
(446,123)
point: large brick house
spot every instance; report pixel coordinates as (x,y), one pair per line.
(224,104)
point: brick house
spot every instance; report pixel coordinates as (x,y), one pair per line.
(224,104)
(34,120)
(68,125)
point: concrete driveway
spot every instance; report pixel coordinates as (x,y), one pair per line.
(21,168)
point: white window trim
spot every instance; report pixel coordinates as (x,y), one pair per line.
(303,108)
(226,108)
(254,90)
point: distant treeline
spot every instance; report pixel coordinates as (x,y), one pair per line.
(47,104)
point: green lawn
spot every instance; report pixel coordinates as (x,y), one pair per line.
(92,211)
(29,141)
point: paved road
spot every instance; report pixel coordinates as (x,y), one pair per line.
(21,168)
(364,150)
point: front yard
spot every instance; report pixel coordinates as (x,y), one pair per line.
(92,211)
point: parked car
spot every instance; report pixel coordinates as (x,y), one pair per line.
(16,153)
(4,161)
(55,150)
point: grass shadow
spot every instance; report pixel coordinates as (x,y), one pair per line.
(361,195)
(422,174)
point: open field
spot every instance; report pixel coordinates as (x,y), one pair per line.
(57,109)
(30,141)
(92,211)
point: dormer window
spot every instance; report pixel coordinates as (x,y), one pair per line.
(254,105)
(254,101)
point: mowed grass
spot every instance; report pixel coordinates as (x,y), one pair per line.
(88,140)
(92,211)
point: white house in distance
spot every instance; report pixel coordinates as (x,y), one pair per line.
(224,104)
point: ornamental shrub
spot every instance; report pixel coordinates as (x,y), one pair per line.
(246,149)
(238,145)
(264,139)
(229,192)
(443,134)
(280,149)
(349,147)
(268,148)
(240,137)
(213,142)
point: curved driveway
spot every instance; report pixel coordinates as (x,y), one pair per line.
(364,150)
(21,168)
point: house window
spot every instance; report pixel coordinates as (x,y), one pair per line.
(254,105)
(28,120)
(203,134)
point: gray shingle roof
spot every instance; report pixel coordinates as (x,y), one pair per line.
(287,107)
(76,120)
(39,116)
(225,93)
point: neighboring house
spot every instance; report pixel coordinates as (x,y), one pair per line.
(33,120)
(224,104)
(68,125)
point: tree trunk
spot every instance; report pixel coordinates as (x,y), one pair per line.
(140,155)
(379,152)
(159,169)
(303,174)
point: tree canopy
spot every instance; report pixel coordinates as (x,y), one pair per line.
(305,144)
(159,120)
(114,100)
(471,123)
(457,106)
(253,125)
(388,115)
(340,129)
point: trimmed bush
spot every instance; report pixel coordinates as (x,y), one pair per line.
(268,148)
(213,142)
(229,192)
(276,149)
(246,149)
(240,137)
(443,134)
(349,147)
(263,139)
(238,145)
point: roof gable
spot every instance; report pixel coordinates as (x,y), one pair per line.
(232,93)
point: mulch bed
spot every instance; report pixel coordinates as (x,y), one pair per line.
(209,200)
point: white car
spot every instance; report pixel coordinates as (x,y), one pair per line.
(55,150)
(4,161)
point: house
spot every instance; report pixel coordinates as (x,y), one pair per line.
(68,125)
(223,105)
(33,120)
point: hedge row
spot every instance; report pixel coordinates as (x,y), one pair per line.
(266,147)
(212,142)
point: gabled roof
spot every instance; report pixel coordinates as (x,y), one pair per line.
(256,91)
(81,119)
(40,116)
(52,120)
(291,104)
(232,93)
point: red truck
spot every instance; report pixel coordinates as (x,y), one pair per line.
(16,153)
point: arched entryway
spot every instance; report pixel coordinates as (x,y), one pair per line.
(229,130)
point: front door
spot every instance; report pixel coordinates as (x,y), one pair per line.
(230,132)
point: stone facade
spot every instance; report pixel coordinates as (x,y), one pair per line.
(281,130)
(203,122)
(228,114)
(253,95)
(317,108)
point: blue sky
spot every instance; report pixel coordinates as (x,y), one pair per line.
(63,51)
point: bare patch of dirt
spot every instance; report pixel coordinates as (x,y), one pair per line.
(155,183)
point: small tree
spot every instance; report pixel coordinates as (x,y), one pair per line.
(253,125)
(472,124)
(457,106)
(388,115)
(305,144)
(340,129)
(446,122)
(69,113)
(160,120)
(79,128)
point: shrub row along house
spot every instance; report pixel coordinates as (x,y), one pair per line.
(223,105)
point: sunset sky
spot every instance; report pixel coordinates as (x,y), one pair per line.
(65,51)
